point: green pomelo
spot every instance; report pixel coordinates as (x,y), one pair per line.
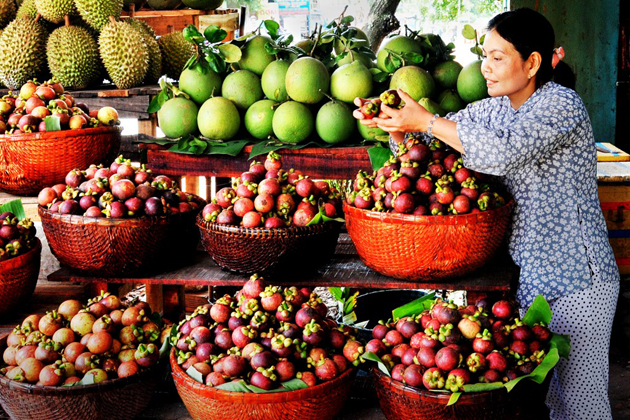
(203,4)
(292,122)
(351,81)
(445,74)
(432,107)
(370,133)
(243,88)
(334,122)
(356,56)
(218,119)
(398,44)
(413,80)
(255,58)
(273,80)
(306,45)
(178,117)
(450,101)
(259,117)
(163,4)
(471,86)
(339,44)
(307,80)
(200,86)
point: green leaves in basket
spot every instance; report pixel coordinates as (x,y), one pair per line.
(15,207)
(241,386)
(368,355)
(201,146)
(348,303)
(540,373)
(53,123)
(166,346)
(87,380)
(562,343)
(414,307)
(539,311)
(454,398)
(483,387)
(378,156)
(322,218)
(195,374)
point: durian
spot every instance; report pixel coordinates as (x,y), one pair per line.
(155,55)
(176,52)
(54,10)
(97,12)
(124,54)
(27,9)
(7,12)
(21,57)
(73,56)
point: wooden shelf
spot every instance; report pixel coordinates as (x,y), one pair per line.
(322,163)
(345,269)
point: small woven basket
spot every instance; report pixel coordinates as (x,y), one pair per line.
(263,250)
(117,399)
(321,402)
(402,402)
(105,247)
(30,162)
(18,278)
(425,248)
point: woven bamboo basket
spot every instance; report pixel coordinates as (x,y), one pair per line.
(425,248)
(120,247)
(18,278)
(117,399)
(321,402)
(30,162)
(263,250)
(402,402)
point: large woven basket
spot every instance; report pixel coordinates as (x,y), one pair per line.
(120,247)
(419,248)
(263,250)
(402,402)
(321,402)
(18,278)
(30,162)
(117,399)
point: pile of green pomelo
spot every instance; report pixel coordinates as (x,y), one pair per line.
(304,97)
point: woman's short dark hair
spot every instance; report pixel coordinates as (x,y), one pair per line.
(528,31)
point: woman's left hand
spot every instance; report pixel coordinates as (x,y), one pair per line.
(412,118)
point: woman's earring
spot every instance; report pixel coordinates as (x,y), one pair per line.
(529,76)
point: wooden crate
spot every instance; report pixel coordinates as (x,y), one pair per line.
(614,195)
(166,21)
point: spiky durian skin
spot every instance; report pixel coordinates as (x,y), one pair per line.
(27,9)
(97,12)
(21,57)
(54,10)
(124,54)
(73,56)
(155,55)
(176,52)
(7,12)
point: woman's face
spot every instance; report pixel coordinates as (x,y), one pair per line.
(504,69)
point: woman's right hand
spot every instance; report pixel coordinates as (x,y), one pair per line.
(359,115)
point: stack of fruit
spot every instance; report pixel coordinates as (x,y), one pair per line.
(424,180)
(16,237)
(118,191)
(450,346)
(38,105)
(265,335)
(76,344)
(266,195)
(90,45)
(292,92)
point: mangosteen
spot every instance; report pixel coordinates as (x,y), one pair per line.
(153,207)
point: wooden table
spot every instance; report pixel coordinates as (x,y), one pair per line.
(344,269)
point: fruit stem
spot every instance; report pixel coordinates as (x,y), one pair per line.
(66,19)
(112,19)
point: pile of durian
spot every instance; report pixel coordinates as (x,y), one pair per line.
(86,43)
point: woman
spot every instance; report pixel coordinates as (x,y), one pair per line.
(536,135)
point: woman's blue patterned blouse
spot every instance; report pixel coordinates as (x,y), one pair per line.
(544,153)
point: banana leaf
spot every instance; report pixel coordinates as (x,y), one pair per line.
(15,207)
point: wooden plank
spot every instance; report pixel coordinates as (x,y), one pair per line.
(155,297)
(345,269)
(613,171)
(333,163)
